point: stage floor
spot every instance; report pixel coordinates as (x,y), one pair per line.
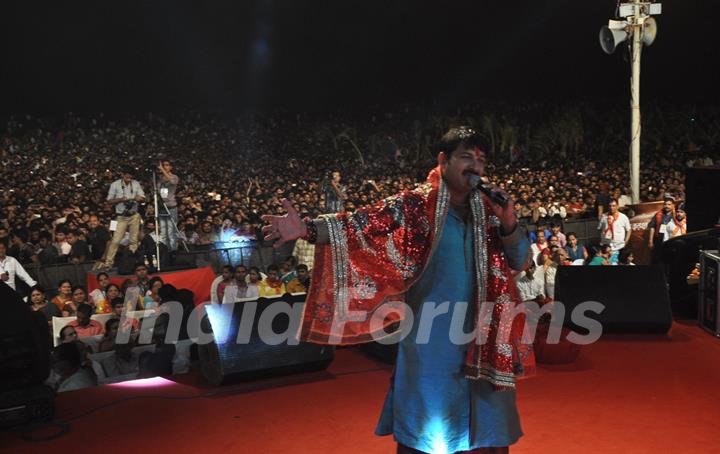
(625,394)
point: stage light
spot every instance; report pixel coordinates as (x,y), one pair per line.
(154,382)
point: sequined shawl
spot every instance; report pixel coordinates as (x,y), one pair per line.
(376,254)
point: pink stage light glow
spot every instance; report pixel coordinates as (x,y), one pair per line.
(155,382)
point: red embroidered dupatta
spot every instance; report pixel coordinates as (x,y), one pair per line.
(376,254)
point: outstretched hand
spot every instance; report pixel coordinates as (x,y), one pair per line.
(282,229)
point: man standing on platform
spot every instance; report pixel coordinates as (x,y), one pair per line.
(453,389)
(125,194)
(167,211)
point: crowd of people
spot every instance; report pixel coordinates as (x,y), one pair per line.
(58,201)
(58,172)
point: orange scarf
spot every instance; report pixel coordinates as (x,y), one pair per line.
(611,222)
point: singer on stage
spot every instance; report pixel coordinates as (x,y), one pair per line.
(443,241)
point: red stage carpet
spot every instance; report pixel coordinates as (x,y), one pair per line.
(623,395)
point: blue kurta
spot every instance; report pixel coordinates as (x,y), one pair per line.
(431,406)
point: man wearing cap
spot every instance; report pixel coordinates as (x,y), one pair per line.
(657,227)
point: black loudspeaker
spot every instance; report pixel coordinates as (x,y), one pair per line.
(225,360)
(635,297)
(702,186)
(680,254)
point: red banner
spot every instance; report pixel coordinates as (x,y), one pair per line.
(197,280)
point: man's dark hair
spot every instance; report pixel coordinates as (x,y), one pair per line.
(44,234)
(167,292)
(63,331)
(66,357)
(462,135)
(273,267)
(302,266)
(624,255)
(99,275)
(85,309)
(20,233)
(117,301)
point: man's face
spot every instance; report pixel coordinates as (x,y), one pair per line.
(167,166)
(82,319)
(680,214)
(613,207)
(302,274)
(226,274)
(272,274)
(60,237)
(69,335)
(668,206)
(127,178)
(71,238)
(336,176)
(530,271)
(141,272)
(240,274)
(93,222)
(117,309)
(254,276)
(459,165)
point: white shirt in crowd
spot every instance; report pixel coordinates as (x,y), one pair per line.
(531,288)
(671,230)
(13,268)
(614,236)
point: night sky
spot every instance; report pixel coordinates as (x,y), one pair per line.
(302,55)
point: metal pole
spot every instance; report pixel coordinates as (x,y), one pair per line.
(157,223)
(635,129)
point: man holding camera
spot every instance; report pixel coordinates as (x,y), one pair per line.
(125,194)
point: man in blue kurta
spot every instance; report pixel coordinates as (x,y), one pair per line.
(445,250)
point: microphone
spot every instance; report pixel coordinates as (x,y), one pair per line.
(495,196)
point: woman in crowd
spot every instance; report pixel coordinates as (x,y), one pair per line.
(40,303)
(64,295)
(253,287)
(152,298)
(98,297)
(78,297)
(599,255)
(575,251)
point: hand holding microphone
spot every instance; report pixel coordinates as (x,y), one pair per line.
(496,196)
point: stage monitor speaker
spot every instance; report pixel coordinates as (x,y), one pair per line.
(228,361)
(635,297)
(702,205)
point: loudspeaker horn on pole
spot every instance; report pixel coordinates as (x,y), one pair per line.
(649,31)
(611,35)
